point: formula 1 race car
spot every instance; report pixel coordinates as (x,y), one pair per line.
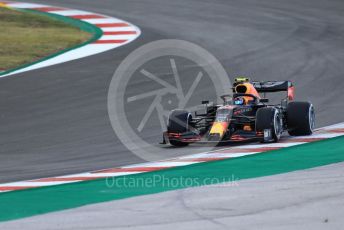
(244,115)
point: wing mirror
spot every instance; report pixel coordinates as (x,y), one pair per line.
(205,102)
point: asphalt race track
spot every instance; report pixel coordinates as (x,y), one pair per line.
(54,121)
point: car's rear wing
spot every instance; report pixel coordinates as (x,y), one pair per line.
(274,86)
(271,86)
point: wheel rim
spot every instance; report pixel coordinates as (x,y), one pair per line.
(311,116)
(277,125)
(188,122)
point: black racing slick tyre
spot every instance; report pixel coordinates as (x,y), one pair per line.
(269,119)
(300,118)
(179,122)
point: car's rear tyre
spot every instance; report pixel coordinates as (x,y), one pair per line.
(300,118)
(179,122)
(269,118)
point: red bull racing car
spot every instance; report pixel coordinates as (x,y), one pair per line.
(244,115)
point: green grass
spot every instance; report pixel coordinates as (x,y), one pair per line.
(26,37)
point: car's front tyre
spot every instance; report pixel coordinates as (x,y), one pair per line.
(269,118)
(179,122)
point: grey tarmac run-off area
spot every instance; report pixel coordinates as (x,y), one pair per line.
(54,121)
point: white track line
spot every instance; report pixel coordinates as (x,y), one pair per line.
(115,37)
(70,12)
(102,20)
(159,164)
(35,184)
(24,5)
(116,29)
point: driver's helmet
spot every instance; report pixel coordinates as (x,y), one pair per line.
(239,101)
